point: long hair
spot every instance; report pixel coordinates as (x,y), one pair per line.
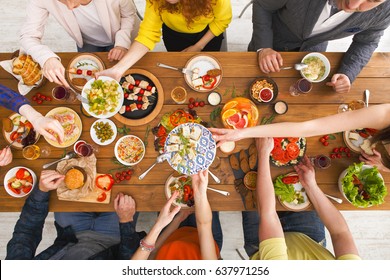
(191,9)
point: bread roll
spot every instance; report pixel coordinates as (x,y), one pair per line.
(74,179)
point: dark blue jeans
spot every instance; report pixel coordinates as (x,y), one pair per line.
(306,222)
(215,227)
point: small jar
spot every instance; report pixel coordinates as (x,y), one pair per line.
(214,98)
(280,107)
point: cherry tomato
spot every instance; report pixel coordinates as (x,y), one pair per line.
(196,104)
(79,72)
(117,181)
(322,140)
(39,101)
(124,173)
(326,143)
(149,88)
(130,172)
(118,174)
(347,150)
(326,137)
(191,106)
(139,106)
(338,155)
(131,87)
(336,150)
(126,95)
(34,98)
(137,82)
(139,98)
(89,73)
(141,91)
(49,98)
(39,95)
(127,177)
(122,177)
(192,100)
(342,149)
(201,104)
(332,155)
(128,108)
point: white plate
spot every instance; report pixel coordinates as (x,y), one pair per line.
(96,139)
(204,63)
(340,184)
(117,154)
(168,192)
(11,173)
(354,145)
(326,62)
(296,207)
(120,99)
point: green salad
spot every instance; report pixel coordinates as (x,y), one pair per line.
(103,97)
(363,187)
(286,192)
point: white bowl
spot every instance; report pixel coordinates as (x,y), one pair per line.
(326,62)
(117,154)
(11,173)
(340,184)
(96,139)
(120,99)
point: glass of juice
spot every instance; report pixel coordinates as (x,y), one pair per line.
(179,95)
(31,152)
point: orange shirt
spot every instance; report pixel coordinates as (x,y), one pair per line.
(182,244)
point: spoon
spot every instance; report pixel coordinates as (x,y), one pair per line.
(366,96)
(297,66)
(338,200)
(67,156)
(216,179)
(159,159)
(24,135)
(219,191)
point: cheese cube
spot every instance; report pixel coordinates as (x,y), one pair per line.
(173,148)
(353,136)
(176,159)
(186,131)
(366,147)
(195,133)
(174,139)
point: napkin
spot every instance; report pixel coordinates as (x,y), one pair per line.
(88,164)
(22,88)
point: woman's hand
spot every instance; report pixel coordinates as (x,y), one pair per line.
(54,71)
(110,72)
(116,53)
(222,135)
(48,127)
(375,160)
(306,173)
(264,146)
(5,156)
(50,180)
(340,83)
(193,48)
(124,207)
(200,182)
(166,214)
(269,60)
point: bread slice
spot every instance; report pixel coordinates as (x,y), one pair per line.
(18,63)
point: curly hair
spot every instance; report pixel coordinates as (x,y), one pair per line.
(191,9)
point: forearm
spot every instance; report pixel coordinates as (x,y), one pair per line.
(135,53)
(174,225)
(376,116)
(205,40)
(128,17)
(29,113)
(11,100)
(150,239)
(333,220)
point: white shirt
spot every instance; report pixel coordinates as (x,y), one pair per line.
(92,29)
(326,23)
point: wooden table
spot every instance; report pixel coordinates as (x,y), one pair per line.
(239,70)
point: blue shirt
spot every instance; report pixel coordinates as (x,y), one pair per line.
(11,100)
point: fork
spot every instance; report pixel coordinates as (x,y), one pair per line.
(79,96)
(159,159)
(25,133)
(183,70)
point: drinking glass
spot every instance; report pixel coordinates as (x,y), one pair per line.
(179,95)
(301,86)
(63,94)
(31,152)
(45,151)
(321,161)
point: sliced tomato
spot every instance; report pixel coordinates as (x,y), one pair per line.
(28,125)
(161,131)
(363,134)
(104,182)
(26,189)
(187,189)
(14,135)
(290,179)
(277,154)
(16,191)
(182,179)
(185,197)
(293,139)
(371,131)
(278,141)
(102,197)
(20,174)
(292,150)
(29,179)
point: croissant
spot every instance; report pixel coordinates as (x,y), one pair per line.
(18,63)
(30,70)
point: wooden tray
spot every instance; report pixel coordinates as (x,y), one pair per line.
(160,100)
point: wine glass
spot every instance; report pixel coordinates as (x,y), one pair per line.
(45,151)
(343,108)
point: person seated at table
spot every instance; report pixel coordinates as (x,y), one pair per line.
(80,235)
(294,25)
(95,25)
(182,235)
(185,25)
(12,100)
(294,235)
(375,116)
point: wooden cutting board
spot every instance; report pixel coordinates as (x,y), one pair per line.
(93,195)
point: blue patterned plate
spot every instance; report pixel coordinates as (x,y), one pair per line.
(191,148)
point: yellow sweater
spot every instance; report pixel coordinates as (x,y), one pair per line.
(150,29)
(295,246)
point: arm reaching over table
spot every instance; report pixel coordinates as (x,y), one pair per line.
(341,236)
(5,156)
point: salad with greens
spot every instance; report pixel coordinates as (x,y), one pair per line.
(284,189)
(363,186)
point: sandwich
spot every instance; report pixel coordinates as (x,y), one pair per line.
(74,179)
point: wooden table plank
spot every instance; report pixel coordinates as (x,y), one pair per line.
(239,70)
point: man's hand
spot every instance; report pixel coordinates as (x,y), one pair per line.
(116,53)
(5,156)
(125,207)
(340,83)
(54,71)
(375,160)
(50,180)
(306,173)
(269,60)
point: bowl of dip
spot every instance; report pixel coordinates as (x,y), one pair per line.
(214,98)
(318,67)
(280,107)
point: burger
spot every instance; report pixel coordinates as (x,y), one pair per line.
(74,179)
